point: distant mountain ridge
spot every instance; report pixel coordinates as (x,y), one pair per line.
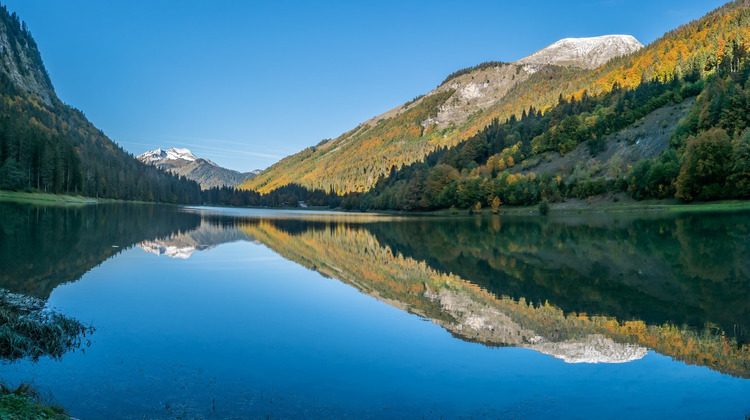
(183,162)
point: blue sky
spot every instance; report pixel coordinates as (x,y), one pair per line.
(245,83)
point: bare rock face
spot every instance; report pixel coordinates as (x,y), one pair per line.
(476,90)
(21,62)
(588,53)
(482,88)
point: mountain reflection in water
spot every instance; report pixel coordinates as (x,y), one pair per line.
(584,290)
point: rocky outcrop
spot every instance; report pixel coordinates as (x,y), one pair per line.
(21,62)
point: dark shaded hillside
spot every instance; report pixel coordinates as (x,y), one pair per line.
(49,146)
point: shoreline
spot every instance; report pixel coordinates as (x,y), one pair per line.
(602,204)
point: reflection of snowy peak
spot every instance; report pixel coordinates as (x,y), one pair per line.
(183,245)
(592,349)
(485,324)
(155,247)
(584,52)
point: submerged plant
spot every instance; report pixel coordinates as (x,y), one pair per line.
(29,330)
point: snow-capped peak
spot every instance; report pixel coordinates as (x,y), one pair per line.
(169,154)
(584,52)
(184,154)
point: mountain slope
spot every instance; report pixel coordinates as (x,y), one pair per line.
(407,133)
(184,163)
(357,159)
(49,146)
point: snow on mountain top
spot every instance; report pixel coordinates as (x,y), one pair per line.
(584,52)
(184,154)
(169,154)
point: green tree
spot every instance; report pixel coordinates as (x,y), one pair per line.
(544,207)
(738,183)
(707,163)
(12,177)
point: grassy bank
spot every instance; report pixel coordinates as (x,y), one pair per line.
(24,403)
(605,204)
(44,198)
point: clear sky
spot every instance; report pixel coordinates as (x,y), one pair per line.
(245,83)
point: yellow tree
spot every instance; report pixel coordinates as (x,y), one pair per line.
(496,204)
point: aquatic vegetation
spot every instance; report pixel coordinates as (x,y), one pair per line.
(29,330)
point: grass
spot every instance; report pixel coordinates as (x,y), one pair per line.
(44,198)
(24,402)
(580,206)
(600,205)
(726,205)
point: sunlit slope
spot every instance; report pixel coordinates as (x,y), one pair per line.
(468,101)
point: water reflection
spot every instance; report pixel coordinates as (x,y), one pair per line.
(580,289)
(593,290)
(43,247)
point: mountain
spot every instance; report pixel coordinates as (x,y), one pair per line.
(184,163)
(407,133)
(49,146)
(154,157)
(470,101)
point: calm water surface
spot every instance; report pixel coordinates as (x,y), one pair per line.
(210,313)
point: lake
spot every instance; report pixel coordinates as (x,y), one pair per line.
(233,313)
